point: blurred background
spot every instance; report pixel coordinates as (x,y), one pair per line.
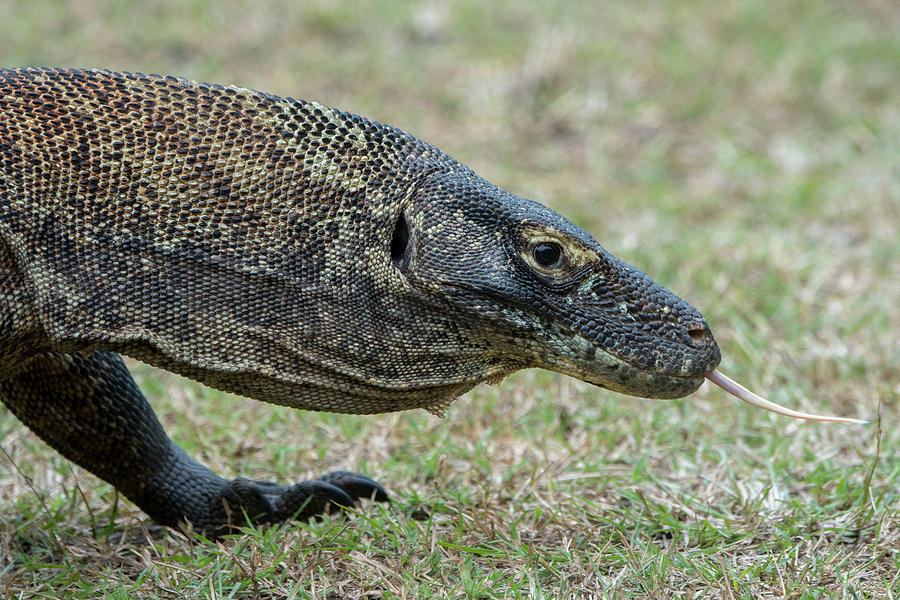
(745,154)
(655,124)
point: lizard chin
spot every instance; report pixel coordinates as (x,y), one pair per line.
(582,359)
(618,375)
(654,385)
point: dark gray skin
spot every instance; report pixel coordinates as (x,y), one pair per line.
(606,322)
(288,252)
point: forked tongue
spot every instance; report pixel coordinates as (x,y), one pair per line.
(739,391)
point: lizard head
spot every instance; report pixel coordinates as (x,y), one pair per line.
(538,291)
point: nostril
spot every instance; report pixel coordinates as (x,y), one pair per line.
(698,333)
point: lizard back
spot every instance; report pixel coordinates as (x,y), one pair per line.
(215,231)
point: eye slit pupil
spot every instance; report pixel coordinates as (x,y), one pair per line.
(547,255)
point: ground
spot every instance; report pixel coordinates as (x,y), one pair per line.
(745,154)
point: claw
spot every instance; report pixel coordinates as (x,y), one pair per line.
(739,391)
(357,486)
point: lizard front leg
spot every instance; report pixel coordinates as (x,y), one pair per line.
(90,410)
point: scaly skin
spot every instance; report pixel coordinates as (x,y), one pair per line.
(288,252)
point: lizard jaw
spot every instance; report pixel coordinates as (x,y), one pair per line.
(606,370)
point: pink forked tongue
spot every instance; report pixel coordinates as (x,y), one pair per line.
(739,391)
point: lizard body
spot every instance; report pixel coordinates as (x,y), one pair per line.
(288,252)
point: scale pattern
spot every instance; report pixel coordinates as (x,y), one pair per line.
(289,252)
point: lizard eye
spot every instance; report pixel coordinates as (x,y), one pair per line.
(552,255)
(547,254)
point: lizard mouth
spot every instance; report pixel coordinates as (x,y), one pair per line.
(663,379)
(605,369)
(654,385)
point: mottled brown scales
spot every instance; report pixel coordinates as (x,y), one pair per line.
(289,252)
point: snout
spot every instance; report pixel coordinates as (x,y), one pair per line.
(703,355)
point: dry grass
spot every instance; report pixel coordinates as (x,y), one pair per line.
(744,154)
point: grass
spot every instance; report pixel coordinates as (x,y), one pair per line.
(743,153)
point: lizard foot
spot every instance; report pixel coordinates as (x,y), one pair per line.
(267,502)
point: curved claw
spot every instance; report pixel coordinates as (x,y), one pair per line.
(356,485)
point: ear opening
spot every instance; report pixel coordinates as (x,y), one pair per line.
(400,246)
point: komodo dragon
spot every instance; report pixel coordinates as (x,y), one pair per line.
(285,251)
